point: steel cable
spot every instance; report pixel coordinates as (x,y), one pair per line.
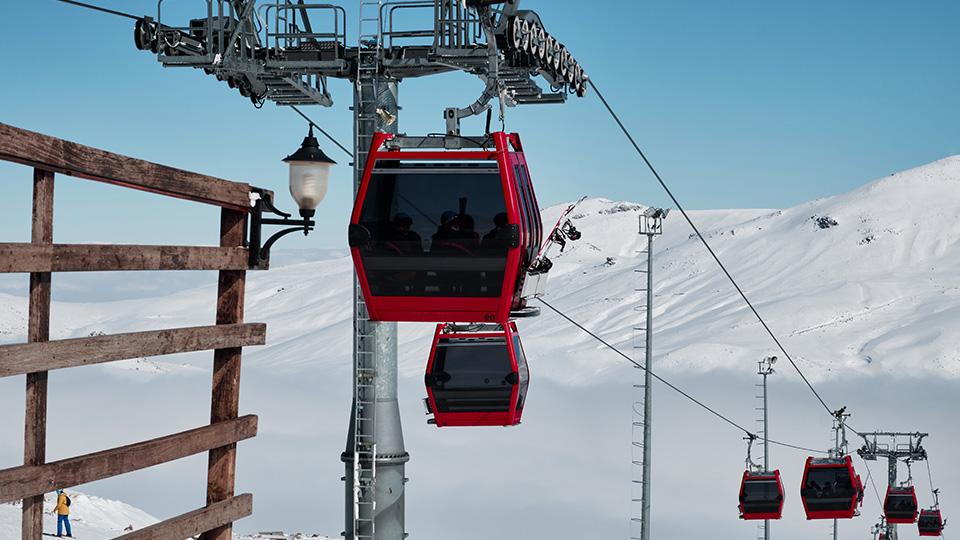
(320,129)
(671,386)
(713,254)
(105,10)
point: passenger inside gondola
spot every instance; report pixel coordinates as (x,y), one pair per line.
(930,523)
(448,241)
(470,237)
(399,239)
(836,494)
(453,256)
(900,506)
(396,239)
(495,239)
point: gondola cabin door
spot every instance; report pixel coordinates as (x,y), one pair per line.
(444,235)
(476,376)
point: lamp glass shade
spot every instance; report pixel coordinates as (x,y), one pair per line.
(309,173)
(308,183)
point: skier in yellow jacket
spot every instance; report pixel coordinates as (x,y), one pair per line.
(63,512)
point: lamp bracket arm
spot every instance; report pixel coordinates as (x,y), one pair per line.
(259,250)
(268,206)
(265,250)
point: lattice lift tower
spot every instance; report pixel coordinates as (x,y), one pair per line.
(905,446)
(279,52)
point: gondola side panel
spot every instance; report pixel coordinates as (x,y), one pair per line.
(355,235)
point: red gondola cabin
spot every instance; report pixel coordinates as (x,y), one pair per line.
(830,488)
(444,235)
(476,376)
(761,495)
(900,505)
(930,522)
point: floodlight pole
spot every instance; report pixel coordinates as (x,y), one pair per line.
(651,225)
(766,368)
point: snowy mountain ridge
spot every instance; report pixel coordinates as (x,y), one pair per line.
(863,281)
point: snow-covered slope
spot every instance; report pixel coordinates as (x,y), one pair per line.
(861,290)
(865,281)
(91,517)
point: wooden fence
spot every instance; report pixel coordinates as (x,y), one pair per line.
(41,257)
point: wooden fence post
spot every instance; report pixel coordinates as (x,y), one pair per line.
(225,399)
(38,329)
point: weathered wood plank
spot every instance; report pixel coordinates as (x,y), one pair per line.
(191,524)
(20,358)
(27,481)
(225,395)
(42,151)
(38,331)
(22,257)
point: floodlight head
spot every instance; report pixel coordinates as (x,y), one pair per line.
(655,213)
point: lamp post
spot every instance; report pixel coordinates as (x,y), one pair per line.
(309,178)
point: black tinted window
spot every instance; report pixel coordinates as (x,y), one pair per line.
(433,230)
(471,375)
(761,495)
(900,506)
(828,489)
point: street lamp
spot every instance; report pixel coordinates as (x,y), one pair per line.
(309,178)
(309,174)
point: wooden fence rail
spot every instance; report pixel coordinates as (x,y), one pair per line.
(64,157)
(193,523)
(104,258)
(23,358)
(20,482)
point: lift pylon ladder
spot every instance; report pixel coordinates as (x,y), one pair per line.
(370,36)
(765,369)
(365,384)
(638,502)
(364,428)
(760,398)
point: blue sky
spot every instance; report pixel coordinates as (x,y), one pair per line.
(738,105)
